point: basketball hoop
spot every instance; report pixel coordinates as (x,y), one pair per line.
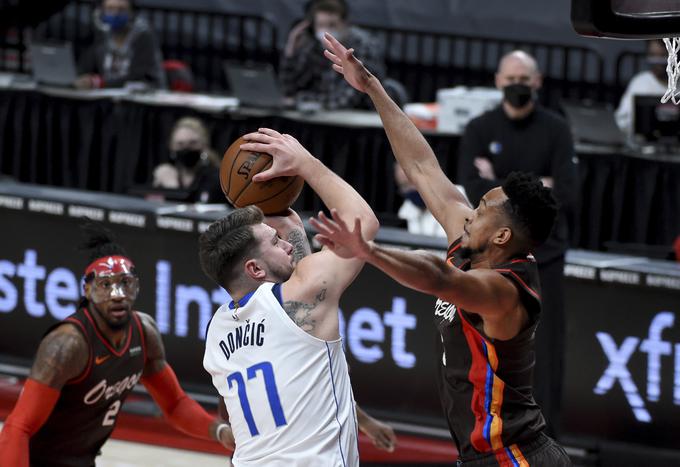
(673,70)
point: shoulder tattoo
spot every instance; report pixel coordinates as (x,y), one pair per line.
(301,312)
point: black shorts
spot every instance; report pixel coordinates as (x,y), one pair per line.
(542,452)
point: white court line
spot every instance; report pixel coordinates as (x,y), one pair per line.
(117,453)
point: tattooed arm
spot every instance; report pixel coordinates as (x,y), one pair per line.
(291,229)
(63,355)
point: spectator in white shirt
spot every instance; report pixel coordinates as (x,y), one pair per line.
(649,82)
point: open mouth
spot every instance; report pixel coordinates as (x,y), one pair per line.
(118,311)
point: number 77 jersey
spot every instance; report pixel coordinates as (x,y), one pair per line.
(288,393)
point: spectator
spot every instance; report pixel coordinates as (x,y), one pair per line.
(125,50)
(649,82)
(193,165)
(520,135)
(418,218)
(305,74)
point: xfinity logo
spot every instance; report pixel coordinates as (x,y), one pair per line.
(655,348)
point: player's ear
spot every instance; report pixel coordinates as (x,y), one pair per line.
(502,236)
(87,288)
(254,270)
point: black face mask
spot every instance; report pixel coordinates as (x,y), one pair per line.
(188,157)
(518,95)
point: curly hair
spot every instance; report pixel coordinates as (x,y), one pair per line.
(531,207)
(98,241)
(226,242)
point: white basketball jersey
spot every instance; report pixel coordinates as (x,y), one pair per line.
(288,393)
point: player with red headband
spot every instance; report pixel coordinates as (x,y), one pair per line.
(86,366)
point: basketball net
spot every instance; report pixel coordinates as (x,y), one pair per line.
(673,70)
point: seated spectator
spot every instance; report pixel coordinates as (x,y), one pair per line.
(413,210)
(305,74)
(649,82)
(124,50)
(193,165)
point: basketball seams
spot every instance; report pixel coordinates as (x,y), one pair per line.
(294,179)
(246,185)
(239,190)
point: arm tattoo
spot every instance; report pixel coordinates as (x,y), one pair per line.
(62,355)
(301,312)
(300,244)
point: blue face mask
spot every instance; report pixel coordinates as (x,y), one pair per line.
(116,22)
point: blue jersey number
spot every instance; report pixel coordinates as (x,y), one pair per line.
(272,394)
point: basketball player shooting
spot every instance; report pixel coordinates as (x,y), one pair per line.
(275,352)
(88,364)
(488,302)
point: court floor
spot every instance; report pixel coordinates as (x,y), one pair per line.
(117,453)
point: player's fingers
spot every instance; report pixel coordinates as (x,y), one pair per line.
(338,220)
(324,241)
(329,223)
(258,137)
(334,43)
(268,174)
(339,69)
(257,147)
(269,132)
(320,226)
(332,57)
(357,225)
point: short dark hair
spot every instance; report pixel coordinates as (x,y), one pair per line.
(338,7)
(226,242)
(531,207)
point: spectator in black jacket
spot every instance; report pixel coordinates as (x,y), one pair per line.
(521,135)
(124,50)
(305,74)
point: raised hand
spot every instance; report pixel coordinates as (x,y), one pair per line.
(287,153)
(345,63)
(334,234)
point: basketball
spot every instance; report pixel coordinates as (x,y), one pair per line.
(236,178)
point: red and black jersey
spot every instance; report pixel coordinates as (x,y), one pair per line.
(485,385)
(88,405)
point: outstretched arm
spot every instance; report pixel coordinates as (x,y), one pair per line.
(62,355)
(482,291)
(182,412)
(446,203)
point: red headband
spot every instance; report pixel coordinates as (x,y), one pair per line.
(110,265)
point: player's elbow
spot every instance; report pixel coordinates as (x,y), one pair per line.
(370,226)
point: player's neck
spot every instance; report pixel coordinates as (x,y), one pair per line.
(116,337)
(489,258)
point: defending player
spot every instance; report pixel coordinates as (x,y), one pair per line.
(488,294)
(88,364)
(275,352)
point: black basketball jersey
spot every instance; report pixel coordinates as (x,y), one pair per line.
(484,383)
(86,411)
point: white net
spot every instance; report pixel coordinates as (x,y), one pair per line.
(673,70)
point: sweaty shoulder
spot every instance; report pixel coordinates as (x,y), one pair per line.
(63,355)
